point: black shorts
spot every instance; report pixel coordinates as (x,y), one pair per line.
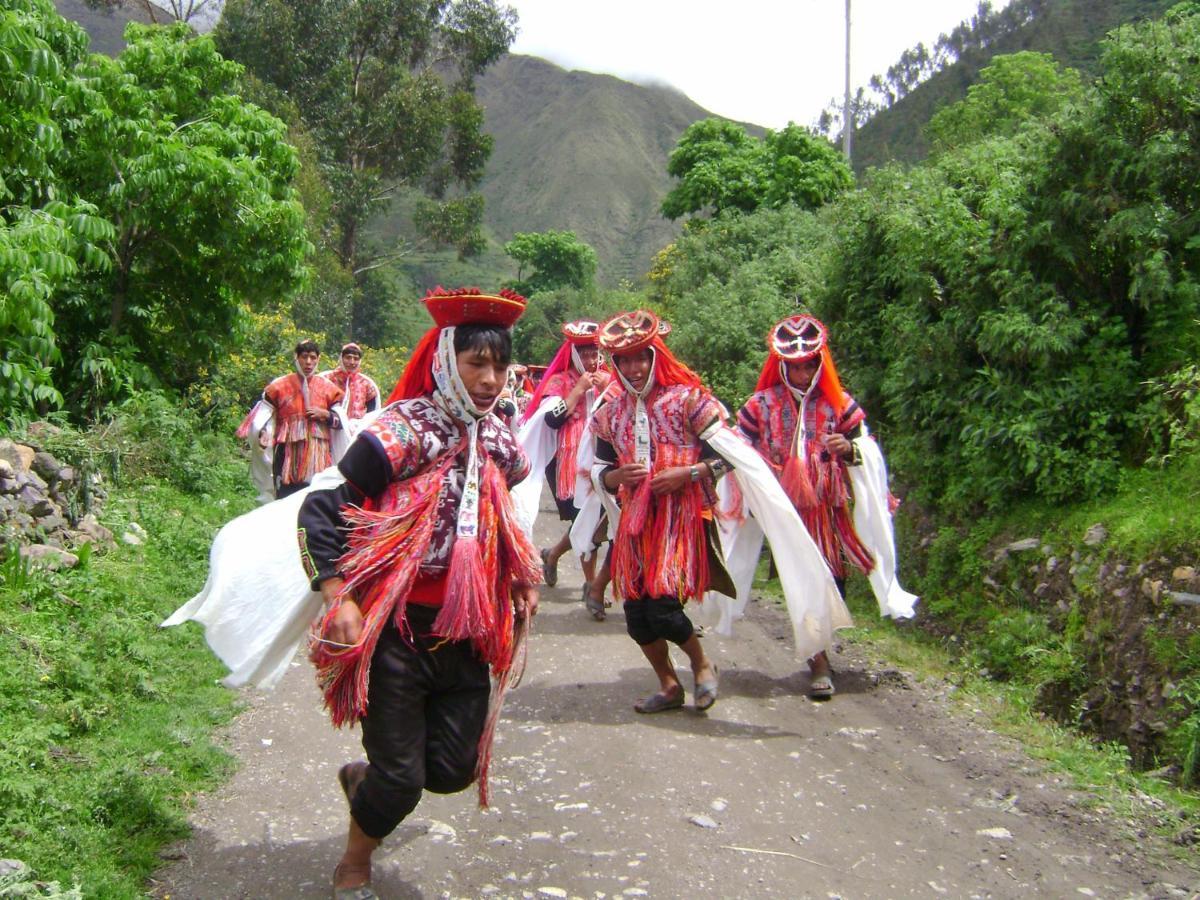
(649,619)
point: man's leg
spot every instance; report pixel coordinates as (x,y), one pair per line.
(394,738)
(455,715)
(669,621)
(657,653)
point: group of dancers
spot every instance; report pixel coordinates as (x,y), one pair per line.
(412,557)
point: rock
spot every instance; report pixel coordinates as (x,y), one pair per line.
(18,456)
(1183,573)
(1023,545)
(132,539)
(1042,589)
(46,465)
(1051,564)
(50,557)
(7,470)
(93,529)
(1096,535)
(996,834)
(703,821)
(1151,588)
(43,508)
(52,522)
(9,484)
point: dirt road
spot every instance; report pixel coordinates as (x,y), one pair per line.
(882,792)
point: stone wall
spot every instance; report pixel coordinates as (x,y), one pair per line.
(47,508)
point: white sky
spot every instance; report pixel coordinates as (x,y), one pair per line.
(759,61)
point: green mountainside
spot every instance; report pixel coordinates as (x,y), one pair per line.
(1070,30)
(106,28)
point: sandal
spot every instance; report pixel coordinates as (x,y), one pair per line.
(359,892)
(821,688)
(706,691)
(350,776)
(594,606)
(659,702)
(549,572)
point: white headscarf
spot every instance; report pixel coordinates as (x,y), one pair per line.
(641,419)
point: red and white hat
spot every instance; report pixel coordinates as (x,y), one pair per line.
(581,332)
(798,338)
(470,305)
(630,331)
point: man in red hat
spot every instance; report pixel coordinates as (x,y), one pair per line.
(811,433)
(362,393)
(304,409)
(427,577)
(650,454)
(560,407)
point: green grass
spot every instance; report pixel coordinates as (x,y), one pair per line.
(108,719)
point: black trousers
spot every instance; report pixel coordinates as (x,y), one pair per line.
(426,707)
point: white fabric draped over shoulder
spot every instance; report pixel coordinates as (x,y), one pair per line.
(262,416)
(540,443)
(257,604)
(588,498)
(341,438)
(814,603)
(873,522)
(741,544)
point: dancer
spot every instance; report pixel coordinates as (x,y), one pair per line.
(649,452)
(817,463)
(553,423)
(362,393)
(298,415)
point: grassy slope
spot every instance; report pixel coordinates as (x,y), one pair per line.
(108,720)
(1070,30)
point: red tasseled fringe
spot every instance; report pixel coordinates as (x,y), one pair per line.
(385,550)
(243,430)
(568,447)
(798,483)
(660,549)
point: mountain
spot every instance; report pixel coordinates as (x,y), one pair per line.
(582,152)
(574,151)
(106,28)
(1069,30)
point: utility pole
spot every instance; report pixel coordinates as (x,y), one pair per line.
(847,119)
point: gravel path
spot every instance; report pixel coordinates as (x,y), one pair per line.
(883,792)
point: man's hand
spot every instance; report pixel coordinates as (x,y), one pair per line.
(320,415)
(838,445)
(525,600)
(264,439)
(630,474)
(347,624)
(668,481)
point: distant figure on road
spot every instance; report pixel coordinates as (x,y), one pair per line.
(362,393)
(427,578)
(298,416)
(813,435)
(552,425)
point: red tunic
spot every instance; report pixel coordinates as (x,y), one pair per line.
(818,487)
(661,549)
(305,441)
(361,393)
(560,385)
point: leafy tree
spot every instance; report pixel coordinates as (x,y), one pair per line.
(1011,91)
(386,89)
(539,333)
(197,185)
(721,168)
(551,259)
(163,12)
(44,241)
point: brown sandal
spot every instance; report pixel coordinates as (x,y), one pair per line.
(358,892)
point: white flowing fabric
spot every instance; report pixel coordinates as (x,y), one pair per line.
(814,604)
(587,497)
(261,458)
(873,522)
(540,442)
(256,605)
(341,438)
(741,545)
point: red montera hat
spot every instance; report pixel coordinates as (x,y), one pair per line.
(581,333)
(798,338)
(629,332)
(470,305)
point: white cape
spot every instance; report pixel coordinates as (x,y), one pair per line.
(540,443)
(257,605)
(873,522)
(588,498)
(262,458)
(814,604)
